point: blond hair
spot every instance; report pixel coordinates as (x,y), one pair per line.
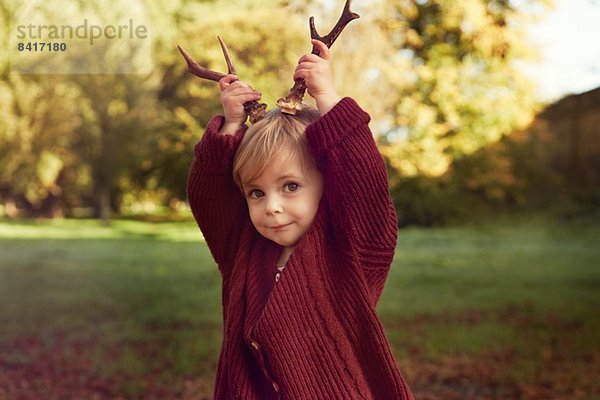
(266,139)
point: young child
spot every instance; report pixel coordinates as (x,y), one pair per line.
(297,215)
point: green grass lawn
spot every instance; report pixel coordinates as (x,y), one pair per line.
(503,309)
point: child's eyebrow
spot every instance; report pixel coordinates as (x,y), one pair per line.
(288,176)
(281,178)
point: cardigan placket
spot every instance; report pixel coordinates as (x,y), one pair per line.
(315,333)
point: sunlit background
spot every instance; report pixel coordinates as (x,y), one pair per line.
(487,113)
(566,38)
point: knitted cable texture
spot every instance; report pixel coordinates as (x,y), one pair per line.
(315,333)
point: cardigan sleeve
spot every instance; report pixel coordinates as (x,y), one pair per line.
(216,202)
(356,187)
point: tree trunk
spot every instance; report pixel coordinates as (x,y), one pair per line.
(10,207)
(104,212)
(105,169)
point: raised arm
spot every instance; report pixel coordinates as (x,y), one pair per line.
(356,190)
(217,203)
(355,175)
(355,180)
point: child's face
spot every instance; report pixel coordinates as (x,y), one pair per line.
(283,201)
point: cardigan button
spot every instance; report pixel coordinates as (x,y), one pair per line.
(254,345)
(276,387)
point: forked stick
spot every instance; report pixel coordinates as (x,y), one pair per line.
(293,102)
(254,109)
(199,71)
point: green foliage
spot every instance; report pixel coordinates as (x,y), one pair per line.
(119,112)
(437,77)
(508,175)
(263,54)
(36,133)
(513,172)
(70,141)
(457,94)
(427,201)
(461,90)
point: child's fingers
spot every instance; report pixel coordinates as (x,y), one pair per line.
(239,85)
(244,98)
(309,65)
(234,94)
(301,73)
(239,96)
(245,94)
(234,106)
(312,58)
(323,49)
(236,89)
(307,68)
(231,81)
(227,80)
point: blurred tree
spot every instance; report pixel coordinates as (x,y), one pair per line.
(461,90)
(38,118)
(35,136)
(72,140)
(264,55)
(438,78)
(120,115)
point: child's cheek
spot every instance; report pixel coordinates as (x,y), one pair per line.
(253,214)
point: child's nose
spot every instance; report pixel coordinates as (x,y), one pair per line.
(274,206)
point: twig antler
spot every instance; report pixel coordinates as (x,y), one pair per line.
(254,109)
(293,102)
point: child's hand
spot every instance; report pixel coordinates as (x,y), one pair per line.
(234,94)
(318,75)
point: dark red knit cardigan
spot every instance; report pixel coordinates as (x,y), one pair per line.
(315,333)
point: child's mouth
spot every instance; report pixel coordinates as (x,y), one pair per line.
(280,227)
